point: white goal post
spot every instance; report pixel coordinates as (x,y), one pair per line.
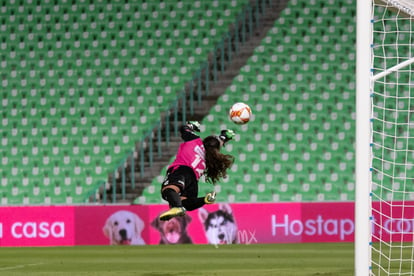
(384,198)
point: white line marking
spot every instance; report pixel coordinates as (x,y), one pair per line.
(18,266)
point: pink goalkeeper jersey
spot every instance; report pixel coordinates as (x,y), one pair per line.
(191,154)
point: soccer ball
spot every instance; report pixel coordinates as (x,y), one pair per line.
(240,113)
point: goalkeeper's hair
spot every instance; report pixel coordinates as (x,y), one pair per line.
(217,163)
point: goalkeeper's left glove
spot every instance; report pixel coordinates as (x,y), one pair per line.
(194,125)
(226,135)
(210,198)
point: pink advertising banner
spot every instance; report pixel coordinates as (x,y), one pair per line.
(393,222)
(215,224)
(36,226)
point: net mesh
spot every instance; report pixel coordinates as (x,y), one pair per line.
(392,139)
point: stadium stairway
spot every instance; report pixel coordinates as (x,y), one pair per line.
(217,88)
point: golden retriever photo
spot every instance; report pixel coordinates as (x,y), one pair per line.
(124,228)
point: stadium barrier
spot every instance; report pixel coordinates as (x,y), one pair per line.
(100,225)
(215,224)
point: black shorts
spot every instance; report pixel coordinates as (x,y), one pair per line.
(184,178)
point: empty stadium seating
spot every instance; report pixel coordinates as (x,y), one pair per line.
(82,81)
(300,84)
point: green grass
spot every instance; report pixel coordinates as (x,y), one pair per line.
(173,260)
(395,258)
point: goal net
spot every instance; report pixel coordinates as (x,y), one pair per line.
(391,187)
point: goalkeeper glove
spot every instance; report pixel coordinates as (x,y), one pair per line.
(210,198)
(226,135)
(193,126)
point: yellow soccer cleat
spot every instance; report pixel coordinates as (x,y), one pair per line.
(173,212)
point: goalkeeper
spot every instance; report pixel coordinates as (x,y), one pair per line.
(195,157)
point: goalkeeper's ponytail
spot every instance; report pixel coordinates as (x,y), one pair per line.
(217,163)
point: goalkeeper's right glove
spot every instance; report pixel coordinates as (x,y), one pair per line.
(210,198)
(226,135)
(194,126)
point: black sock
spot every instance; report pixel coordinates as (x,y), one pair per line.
(172,197)
(193,203)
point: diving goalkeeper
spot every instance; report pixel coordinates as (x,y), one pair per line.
(195,157)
